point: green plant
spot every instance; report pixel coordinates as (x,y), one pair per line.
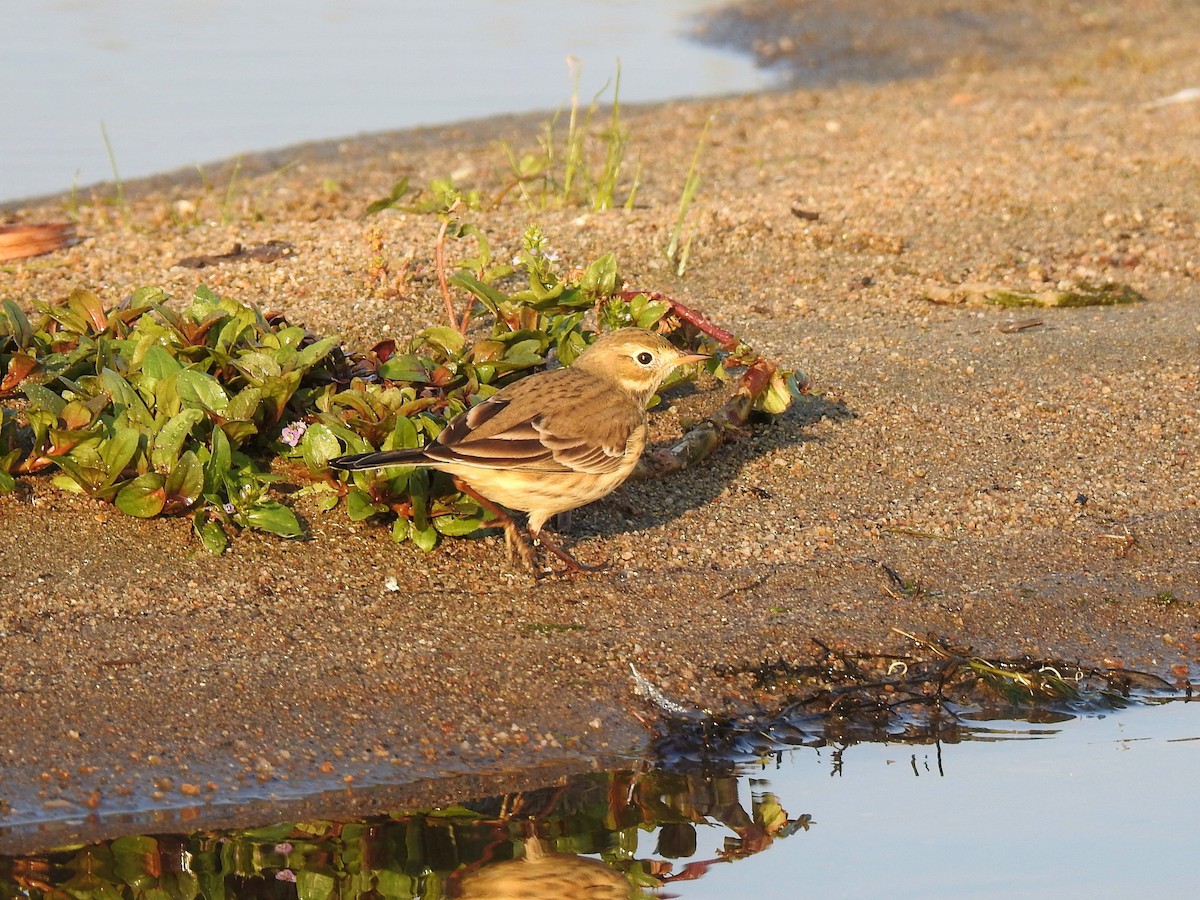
(583,168)
(121,204)
(154,409)
(676,255)
(167,412)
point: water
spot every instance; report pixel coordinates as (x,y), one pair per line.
(1098,807)
(177,83)
(1102,806)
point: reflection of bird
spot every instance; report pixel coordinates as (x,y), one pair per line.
(545,875)
(553,441)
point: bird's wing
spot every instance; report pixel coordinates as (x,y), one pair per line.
(510,431)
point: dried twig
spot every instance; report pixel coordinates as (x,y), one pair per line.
(439,259)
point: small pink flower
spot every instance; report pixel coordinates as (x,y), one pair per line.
(292,434)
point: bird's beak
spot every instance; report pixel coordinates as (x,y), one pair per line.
(691,358)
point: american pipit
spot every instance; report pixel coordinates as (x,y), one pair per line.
(551,442)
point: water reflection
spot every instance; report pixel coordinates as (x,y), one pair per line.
(699,830)
(720,791)
(616,834)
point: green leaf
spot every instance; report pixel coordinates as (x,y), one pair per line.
(399,189)
(275,518)
(290,338)
(359,505)
(201,389)
(237,325)
(278,391)
(147,297)
(159,364)
(404,367)
(776,398)
(458,526)
(319,446)
(8,483)
(600,278)
(18,323)
(403,437)
(219,461)
(355,443)
(418,489)
(87,306)
(166,396)
(169,440)
(210,532)
(257,365)
(314,353)
(67,482)
(523,355)
(646,314)
(312,885)
(186,481)
(425,538)
(445,337)
(570,346)
(125,399)
(118,452)
(488,295)
(238,431)
(244,404)
(400,530)
(44,398)
(142,497)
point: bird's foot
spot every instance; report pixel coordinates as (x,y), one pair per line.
(519,547)
(574,566)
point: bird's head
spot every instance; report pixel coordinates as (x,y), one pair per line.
(636,359)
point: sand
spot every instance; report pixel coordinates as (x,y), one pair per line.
(1037,486)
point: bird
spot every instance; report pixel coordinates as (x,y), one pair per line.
(544,873)
(550,442)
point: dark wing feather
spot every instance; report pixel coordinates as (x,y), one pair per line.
(533,425)
(585,454)
(379,459)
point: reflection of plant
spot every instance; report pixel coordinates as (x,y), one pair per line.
(166,412)
(584,833)
(937,694)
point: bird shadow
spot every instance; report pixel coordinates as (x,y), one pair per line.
(652,502)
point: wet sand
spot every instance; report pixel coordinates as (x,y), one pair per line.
(1037,486)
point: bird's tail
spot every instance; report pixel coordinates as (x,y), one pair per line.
(379,459)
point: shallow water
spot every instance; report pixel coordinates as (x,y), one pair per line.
(1097,806)
(177,83)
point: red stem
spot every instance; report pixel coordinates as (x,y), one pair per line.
(692,317)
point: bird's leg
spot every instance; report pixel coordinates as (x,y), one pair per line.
(518,546)
(513,539)
(573,565)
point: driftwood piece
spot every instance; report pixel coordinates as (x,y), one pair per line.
(22,241)
(702,439)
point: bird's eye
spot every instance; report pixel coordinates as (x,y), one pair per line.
(645,357)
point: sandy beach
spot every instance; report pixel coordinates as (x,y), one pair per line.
(1032,474)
